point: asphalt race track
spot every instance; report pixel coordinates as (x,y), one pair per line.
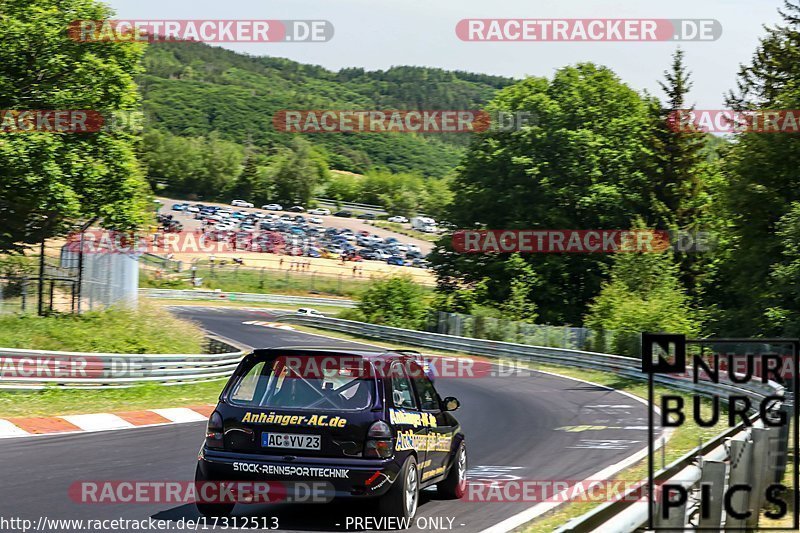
(512,427)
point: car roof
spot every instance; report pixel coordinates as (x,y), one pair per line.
(377,353)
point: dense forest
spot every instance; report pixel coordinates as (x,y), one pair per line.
(190,90)
(604,157)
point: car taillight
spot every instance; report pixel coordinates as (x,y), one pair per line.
(379,441)
(214,431)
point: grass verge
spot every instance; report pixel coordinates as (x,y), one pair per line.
(258,281)
(57,402)
(148,329)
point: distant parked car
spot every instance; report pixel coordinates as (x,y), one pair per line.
(343,214)
(367,216)
(420,263)
(382,255)
(368,254)
(315,220)
(398,219)
(296,209)
(241,203)
(320,211)
(309,312)
(179,207)
(272,207)
(396,260)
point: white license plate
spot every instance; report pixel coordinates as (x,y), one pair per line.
(289,440)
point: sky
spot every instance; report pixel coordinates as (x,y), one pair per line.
(378,34)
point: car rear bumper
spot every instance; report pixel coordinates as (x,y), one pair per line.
(334,477)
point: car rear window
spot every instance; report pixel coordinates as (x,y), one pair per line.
(324,382)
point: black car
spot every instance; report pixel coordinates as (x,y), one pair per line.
(367,216)
(368,254)
(358,424)
(343,214)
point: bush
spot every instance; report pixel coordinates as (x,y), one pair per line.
(643,295)
(396,302)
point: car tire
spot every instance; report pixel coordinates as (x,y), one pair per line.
(211,510)
(455,484)
(403,497)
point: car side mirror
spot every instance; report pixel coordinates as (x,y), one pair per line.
(451,404)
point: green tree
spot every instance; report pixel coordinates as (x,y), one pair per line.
(686,174)
(680,153)
(297,173)
(207,167)
(50,180)
(783,314)
(584,163)
(518,305)
(763,186)
(644,294)
(396,302)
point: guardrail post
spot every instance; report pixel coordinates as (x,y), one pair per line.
(781,450)
(714,478)
(759,473)
(677,516)
(740,459)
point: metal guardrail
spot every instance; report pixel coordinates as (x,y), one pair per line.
(710,463)
(332,204)
(189,294)
(37,369)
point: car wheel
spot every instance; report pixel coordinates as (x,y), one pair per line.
(211,509)
(455,484)
(402,499)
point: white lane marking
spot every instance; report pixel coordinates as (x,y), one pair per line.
(7,429)
(603,444)
(493,473)
(97,421)
(180,414)
(539,509)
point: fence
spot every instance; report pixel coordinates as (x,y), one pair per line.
(736,456)
(575,338)
(172,294)
(36,369)
(366,208)
(59,277)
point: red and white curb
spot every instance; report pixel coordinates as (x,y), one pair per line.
(276,325)
(28,427)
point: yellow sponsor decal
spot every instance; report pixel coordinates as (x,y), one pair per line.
(432,473)
(295,420)
(410,418)
(408,440)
